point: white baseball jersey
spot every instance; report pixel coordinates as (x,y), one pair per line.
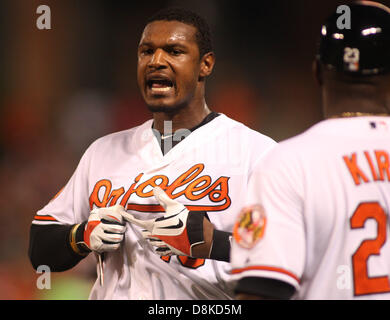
(322,221)
(209,170)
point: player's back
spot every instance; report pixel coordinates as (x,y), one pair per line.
(317,215)
(345,184)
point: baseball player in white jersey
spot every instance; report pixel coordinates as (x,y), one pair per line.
(206,168)
(316,223)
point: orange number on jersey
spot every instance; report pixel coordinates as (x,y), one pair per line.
(189,262)
(363,284)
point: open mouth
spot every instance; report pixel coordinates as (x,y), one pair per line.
(159,85)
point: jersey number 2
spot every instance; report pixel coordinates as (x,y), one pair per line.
(363,284)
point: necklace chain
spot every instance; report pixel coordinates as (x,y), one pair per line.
(359,114)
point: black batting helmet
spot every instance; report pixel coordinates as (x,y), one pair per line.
(360,48)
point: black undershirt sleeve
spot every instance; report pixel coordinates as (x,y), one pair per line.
(49,245)
(265,287)
(220,249)
(221,246)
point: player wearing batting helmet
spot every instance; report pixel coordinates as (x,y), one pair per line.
(316,221)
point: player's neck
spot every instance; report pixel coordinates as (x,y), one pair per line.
(185,118)
(356,114)
(347,106)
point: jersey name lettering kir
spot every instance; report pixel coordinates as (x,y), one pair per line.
(381,159)
(195,188)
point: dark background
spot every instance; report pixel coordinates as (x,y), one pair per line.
(60,89)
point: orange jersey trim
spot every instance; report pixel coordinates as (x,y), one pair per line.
(267,268)
(145,207)
(44,218)
(158,208)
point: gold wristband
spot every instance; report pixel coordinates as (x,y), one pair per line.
(72,240)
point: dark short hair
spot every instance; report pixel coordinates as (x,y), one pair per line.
(203,33)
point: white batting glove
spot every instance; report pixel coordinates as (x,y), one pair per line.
(161,248)
(105,229)
(177,232)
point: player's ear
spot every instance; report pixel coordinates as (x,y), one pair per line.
(318,72)
(206,65)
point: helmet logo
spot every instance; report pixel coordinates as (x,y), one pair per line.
(351,58)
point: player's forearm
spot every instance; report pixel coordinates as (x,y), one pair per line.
(51,245)
(221,246)
(216,245)
(251,288)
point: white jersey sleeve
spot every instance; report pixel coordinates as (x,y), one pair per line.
(279,251)
(70,205)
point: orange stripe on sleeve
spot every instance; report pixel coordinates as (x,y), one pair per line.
(267,268)
(44,218)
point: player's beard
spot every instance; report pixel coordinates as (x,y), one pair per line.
(172,107)
(166,109)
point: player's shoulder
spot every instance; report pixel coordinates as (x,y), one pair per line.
(119,137)
(295,148)
(309,138)
(324,135)
(246,133)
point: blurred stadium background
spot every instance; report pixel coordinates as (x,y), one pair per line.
(60,89)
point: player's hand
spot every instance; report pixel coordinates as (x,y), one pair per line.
(177,232)
(105,229)
(161,248)
(203,250)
